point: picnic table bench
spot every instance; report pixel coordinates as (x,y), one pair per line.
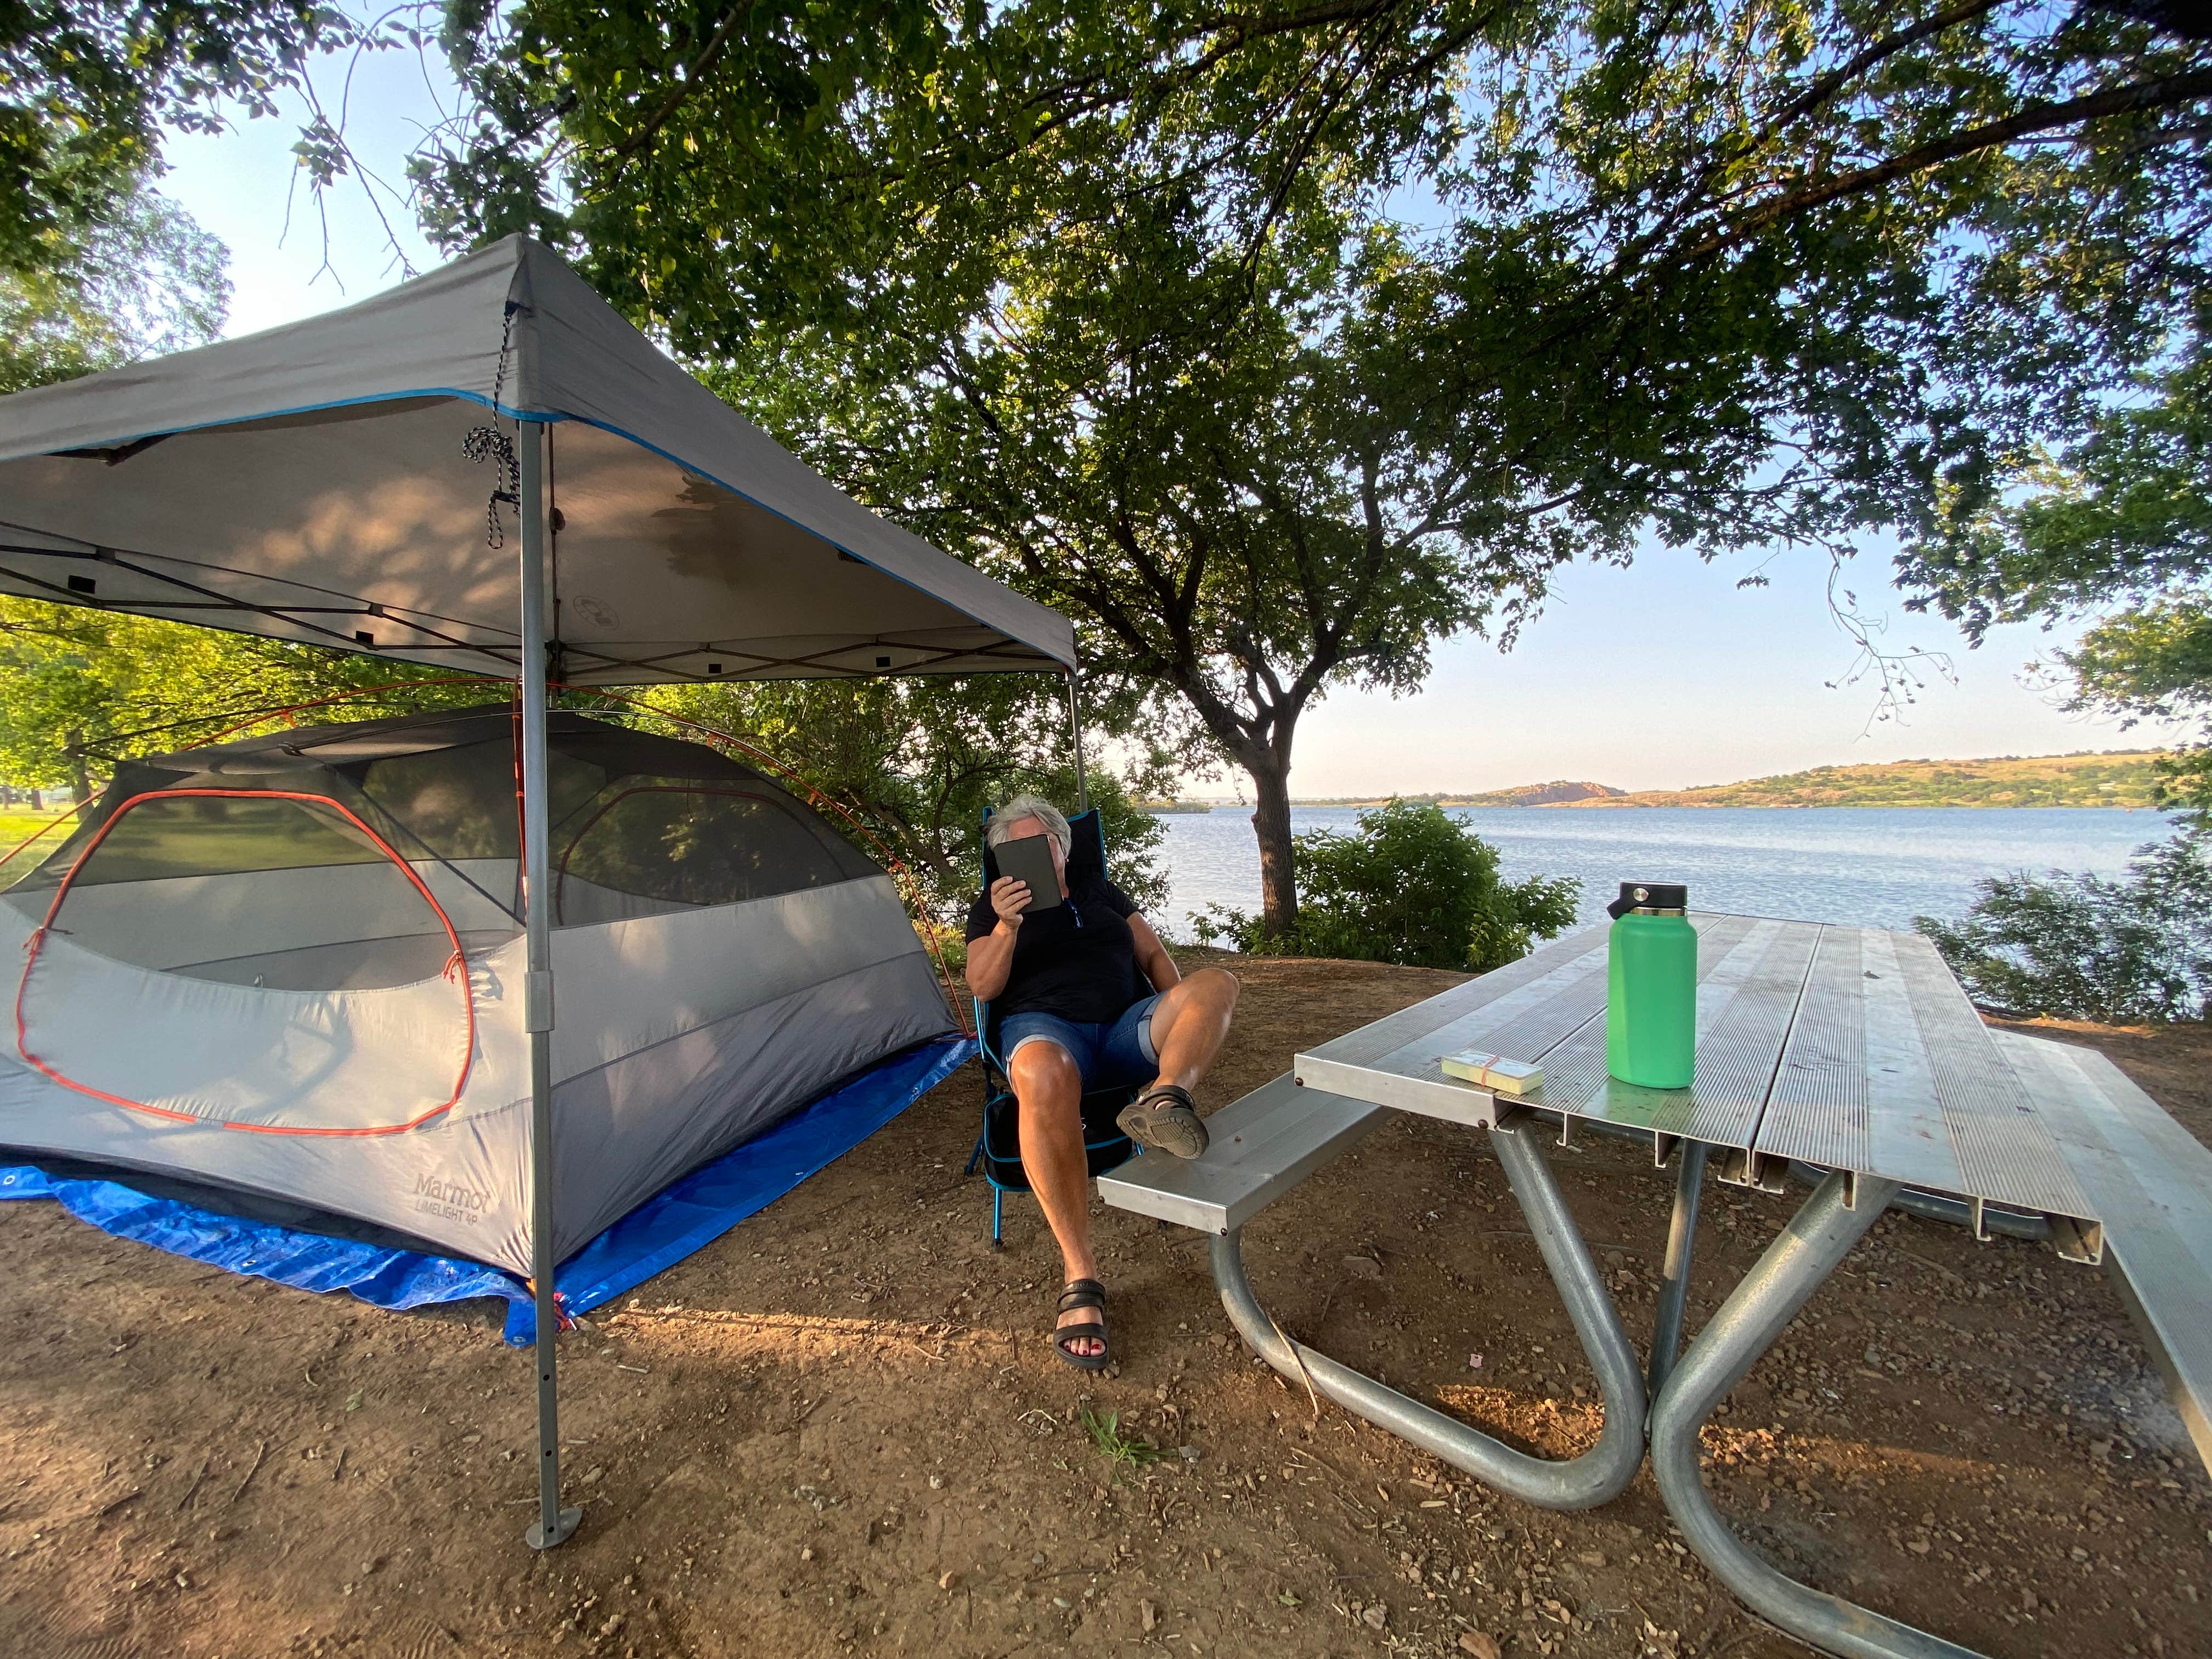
(1851,1049)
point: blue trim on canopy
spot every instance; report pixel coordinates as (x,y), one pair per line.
(661,1231)
(475,397)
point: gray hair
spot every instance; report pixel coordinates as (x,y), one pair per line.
(1029,806)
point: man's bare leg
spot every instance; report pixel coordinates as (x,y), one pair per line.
(1190,1023)
(1048,1090)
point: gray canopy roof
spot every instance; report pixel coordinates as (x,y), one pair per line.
(310,483)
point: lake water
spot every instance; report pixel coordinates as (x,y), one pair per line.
(1864,865)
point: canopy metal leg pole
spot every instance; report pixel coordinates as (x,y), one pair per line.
(1598,1475)
(554,1523)
(1075,725)
(1795,1265)
(1675,1286)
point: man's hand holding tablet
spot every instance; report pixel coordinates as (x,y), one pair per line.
(1027,880)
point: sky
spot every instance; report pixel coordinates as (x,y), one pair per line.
(1664,675)
(245,186)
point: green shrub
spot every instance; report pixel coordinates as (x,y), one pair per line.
(2081,946)
(1413,885)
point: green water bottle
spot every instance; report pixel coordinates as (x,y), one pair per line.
(1651,986)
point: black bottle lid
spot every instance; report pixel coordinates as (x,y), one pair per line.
(1649,895)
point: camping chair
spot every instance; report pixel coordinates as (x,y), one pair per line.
(999,1147)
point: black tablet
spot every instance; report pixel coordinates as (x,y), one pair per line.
(1029,860)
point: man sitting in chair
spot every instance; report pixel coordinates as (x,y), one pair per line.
(1060,984)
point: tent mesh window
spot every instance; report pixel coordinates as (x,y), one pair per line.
(645,846)
(165,836)
(292,861)
(284,891)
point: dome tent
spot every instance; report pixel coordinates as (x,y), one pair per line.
(315,937)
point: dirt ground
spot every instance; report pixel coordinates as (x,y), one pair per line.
(840,1430)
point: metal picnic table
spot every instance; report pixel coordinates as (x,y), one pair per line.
(1851,1049)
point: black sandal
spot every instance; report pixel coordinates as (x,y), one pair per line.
(1082,1293)
(1164,1119)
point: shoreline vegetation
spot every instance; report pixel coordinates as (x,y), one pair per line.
(2101,778)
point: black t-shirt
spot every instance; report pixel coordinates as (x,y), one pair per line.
(1078,960)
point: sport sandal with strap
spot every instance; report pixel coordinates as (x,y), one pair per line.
(1082,1293)
(1164,1119)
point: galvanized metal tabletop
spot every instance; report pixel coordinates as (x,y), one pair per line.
(1846,1048)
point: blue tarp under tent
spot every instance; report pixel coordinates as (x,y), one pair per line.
(670,1225)
(449,1005)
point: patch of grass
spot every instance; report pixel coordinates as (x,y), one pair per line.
(1127,1455)
(17,821)
(17,824)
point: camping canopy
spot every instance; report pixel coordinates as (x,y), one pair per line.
(489,469)
(314,482)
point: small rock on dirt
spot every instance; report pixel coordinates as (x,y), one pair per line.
(1475,1643)
(948,1581)
(1148,1616)
(1375,1615)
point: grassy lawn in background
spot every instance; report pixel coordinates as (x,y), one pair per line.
(15,823)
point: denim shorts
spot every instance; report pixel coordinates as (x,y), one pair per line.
(1107,1055)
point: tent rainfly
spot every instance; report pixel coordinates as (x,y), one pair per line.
(355,480)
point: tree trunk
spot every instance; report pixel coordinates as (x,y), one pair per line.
(80,784)
(1271,818)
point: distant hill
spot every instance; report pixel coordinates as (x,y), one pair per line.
(2119,777)
(2114,778)
(1525,795)
(1558,793)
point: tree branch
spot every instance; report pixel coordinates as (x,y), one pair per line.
(2134,97)
(1826,86)
(709,55)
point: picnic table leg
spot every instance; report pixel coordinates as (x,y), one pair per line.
(1794,1266)
(1674,1287)
(1598,1475)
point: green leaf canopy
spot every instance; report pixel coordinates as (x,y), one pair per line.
(1277,345)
